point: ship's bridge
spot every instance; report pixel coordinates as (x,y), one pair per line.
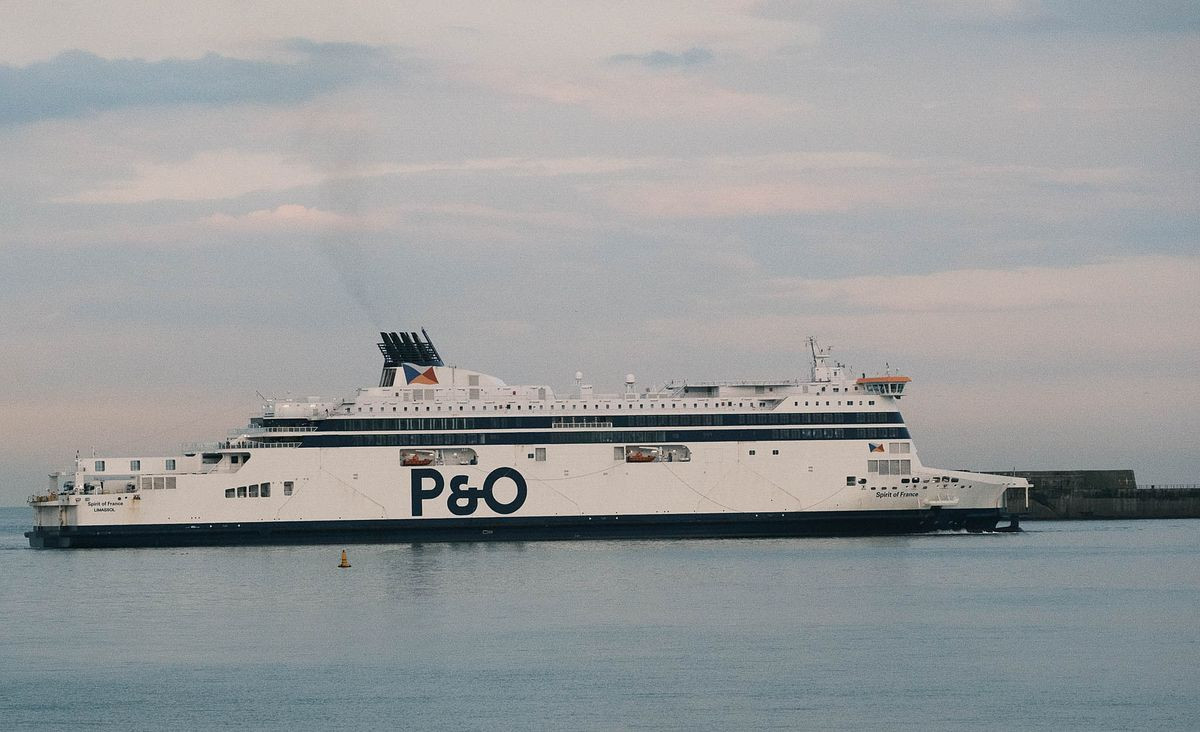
(883,385)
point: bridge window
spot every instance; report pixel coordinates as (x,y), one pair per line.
(229,493)
(254,491)
(264,491)
(241,491)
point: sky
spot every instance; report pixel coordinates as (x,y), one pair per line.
(205,202)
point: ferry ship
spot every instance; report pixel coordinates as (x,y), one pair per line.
(442,453)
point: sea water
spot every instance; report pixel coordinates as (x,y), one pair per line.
(1085,625)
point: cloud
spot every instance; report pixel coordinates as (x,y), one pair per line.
(212,174)
(219,174)
(1104,17)
(78,83)
(1107,17)
(1078,320)
(1118,283)
(664,59)
(700,199)
(640,94)
(288,217)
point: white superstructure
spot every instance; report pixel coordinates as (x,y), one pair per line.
(440,452)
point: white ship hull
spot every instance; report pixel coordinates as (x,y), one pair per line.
(578,491)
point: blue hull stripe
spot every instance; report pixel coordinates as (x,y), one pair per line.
(513,528)
(620,437)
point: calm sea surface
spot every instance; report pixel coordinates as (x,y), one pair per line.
(1068,625)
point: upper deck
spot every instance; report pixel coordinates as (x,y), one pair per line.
(428,388)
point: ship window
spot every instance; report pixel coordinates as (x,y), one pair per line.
(254,491)
(530,456)
(883,468)
(264,491)
(618,453)
(233,459)
(229,493)
(850,479)
(241,491)
(871,402)
(540,453)
(287,487)
(170,464)
(954,480)
(99,465)
(751,452)
(774,452)
(905,467)
(135,464)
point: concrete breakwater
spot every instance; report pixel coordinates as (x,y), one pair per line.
(1098,494)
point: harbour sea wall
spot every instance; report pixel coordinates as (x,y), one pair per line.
(1098,494)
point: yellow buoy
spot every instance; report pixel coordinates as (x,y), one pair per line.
(345,563)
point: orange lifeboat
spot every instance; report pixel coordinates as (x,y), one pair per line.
(416,459)
(638,456)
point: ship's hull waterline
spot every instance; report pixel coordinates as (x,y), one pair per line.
(545,528)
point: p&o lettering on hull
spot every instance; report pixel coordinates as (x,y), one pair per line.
(463,500)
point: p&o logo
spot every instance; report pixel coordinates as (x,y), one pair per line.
(464,499)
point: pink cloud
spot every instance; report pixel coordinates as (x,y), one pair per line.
(287,217)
